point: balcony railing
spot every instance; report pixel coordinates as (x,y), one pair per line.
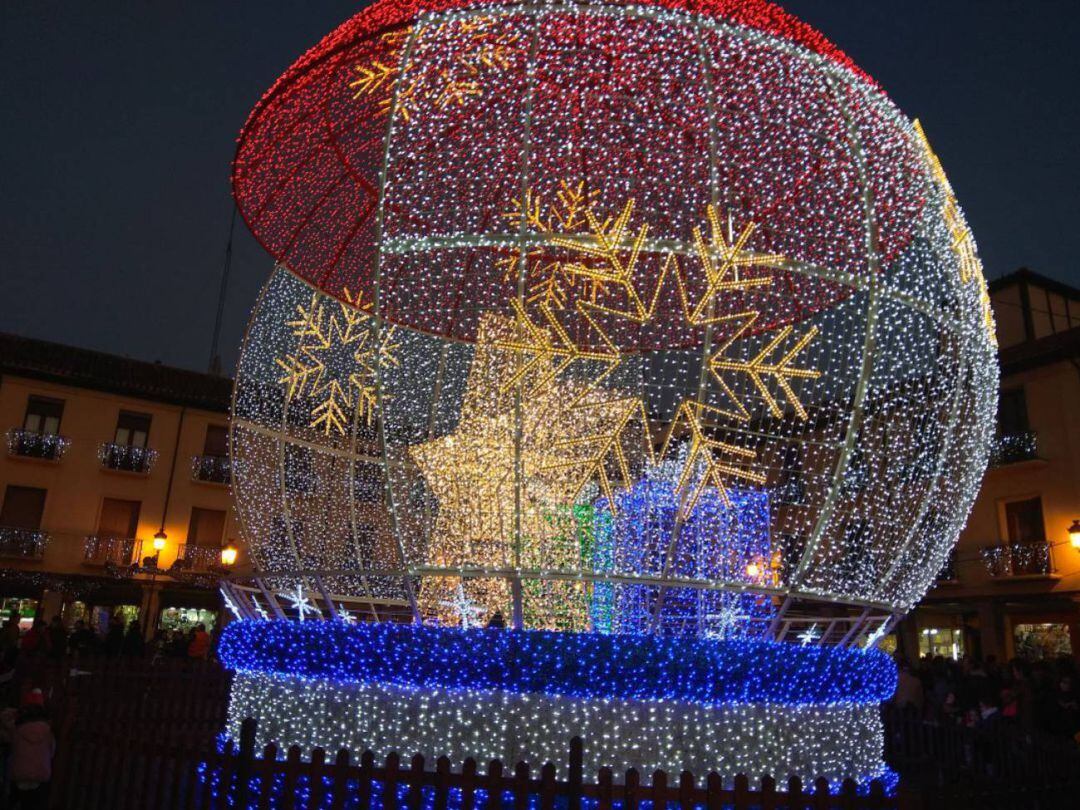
(126,457)
(1018,560)
(1014,447)
(211,469)
(190,557)
(102,550)
(948,571)
(22,544)
(27,444)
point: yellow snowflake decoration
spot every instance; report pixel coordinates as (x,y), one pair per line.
(551,281)
(327,331)
(722,260)
(721,461)
(455,84)
(969,265)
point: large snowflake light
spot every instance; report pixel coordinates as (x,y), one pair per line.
(532,256)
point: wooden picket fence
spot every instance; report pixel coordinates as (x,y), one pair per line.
(177,769)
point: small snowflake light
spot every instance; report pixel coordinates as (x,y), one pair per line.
(299,601)
(809,635)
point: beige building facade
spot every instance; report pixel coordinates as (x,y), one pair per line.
(1013,585)
(102,454)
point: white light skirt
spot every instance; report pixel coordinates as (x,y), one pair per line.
(836,741)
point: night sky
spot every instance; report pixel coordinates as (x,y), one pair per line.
(118,121)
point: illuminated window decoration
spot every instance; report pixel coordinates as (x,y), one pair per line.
(614,320)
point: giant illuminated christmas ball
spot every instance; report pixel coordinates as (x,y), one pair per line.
(655,319)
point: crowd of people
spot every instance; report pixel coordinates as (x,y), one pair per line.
(1040,696)
(27,743)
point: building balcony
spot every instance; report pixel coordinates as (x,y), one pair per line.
(1011,560)
(101,550)
(948,574)
(27,444)
(126,457)
(1014,448)
(190,557)
(211,469)
(22,544)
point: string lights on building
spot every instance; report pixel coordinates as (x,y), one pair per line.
(647,320)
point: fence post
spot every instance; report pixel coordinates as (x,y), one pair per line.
(686,791)
(390,780)
(341,779)
(468,784)
(363,785)
(575,774)
(796,798)
(604,788)
(243,766)
(442,783)
(714,791)
(494,784)
(266,779)
(316,785)
(822,799)
(292,776)
(768,793)
(521,786)
(659,789)
(416,782)
(547,787)
(741,796)
(848,795)
(631,790)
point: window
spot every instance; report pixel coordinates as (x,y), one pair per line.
(132,429)
(43,415)
(217,441)
(947,642)
(118,518)
(1012,412)
(1024,521)
(23,507)
(207,527)
(1039,641)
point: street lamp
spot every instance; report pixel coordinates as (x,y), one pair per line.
(228,555)
(159,543)
(1074,534)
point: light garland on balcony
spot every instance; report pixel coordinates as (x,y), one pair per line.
(568,291)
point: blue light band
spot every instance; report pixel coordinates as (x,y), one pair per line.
(583,665)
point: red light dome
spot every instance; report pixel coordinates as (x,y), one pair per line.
(424,154)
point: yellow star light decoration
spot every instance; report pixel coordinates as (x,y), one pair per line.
(473,471)
(969,265)
(328,332)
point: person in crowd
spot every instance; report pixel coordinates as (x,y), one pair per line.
(497,622)
(133,645)
(31,749)
(58,638)
(199,646)
(9,636)
(82,641)
(36,641)
(114,638)
(909,689)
